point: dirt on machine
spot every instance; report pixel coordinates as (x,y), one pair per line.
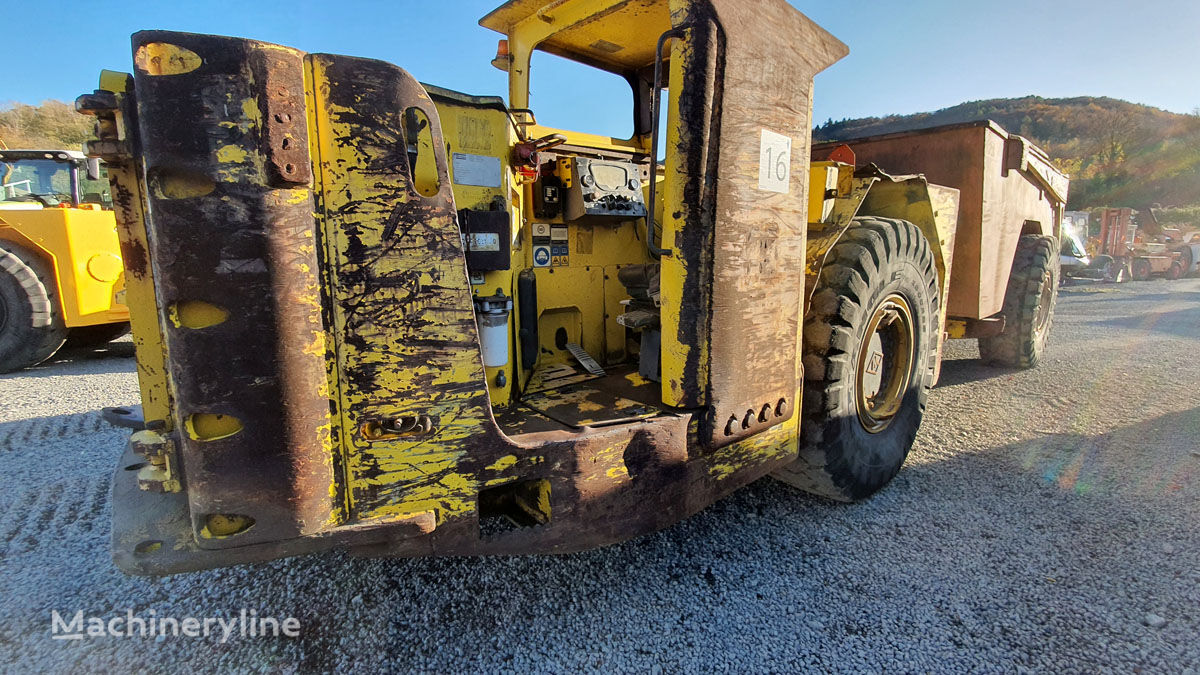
(61,275)
(385,316)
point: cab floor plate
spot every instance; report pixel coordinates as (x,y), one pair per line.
(620,396)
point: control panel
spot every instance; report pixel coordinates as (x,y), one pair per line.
(601,189)
(486,235)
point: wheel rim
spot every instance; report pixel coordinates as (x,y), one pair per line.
(885,363)
(1042,320)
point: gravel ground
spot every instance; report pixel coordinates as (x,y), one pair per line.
(1046,520)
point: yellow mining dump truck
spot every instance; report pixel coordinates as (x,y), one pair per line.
(385,316)
(60,265)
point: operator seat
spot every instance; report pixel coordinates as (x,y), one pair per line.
(642,315)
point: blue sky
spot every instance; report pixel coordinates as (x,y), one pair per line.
(904,56)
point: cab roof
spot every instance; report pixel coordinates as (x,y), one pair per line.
(619,39)
(58,155)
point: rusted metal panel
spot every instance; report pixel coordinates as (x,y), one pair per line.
(402,314)
(354,365)
(1007,188)
(771,54)
(228,233)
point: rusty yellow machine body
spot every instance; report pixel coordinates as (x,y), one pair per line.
(381,315)
(61,273)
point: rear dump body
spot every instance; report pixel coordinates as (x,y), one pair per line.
(1007,187)
(311,305)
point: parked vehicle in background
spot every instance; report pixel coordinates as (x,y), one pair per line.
(61,272)
(1073,255)
(1126,255)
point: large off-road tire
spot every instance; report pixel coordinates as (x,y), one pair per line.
(870,344)
(1140,269)
(1185,259)
(31,323)
(1028,306)
(95,336)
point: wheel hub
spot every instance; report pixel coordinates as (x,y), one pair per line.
(884,363)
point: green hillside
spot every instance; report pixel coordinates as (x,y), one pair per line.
(1117,153)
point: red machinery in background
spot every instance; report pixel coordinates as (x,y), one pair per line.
(1129,257)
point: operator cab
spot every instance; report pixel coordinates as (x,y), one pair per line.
(31,179)
(570,316)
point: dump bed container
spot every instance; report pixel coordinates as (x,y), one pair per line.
(1007,187)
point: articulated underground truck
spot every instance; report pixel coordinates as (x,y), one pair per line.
(388,317)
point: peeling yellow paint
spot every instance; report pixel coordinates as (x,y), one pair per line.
(250,111)
(636,379)
(298,196)
(231,154)
(503,463)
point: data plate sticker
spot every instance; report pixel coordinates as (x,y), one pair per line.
(478,170)
(484,241)
(774,162)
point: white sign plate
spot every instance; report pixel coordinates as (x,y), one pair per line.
(774,162)
(480,170)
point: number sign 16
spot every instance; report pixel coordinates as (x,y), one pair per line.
(774,162)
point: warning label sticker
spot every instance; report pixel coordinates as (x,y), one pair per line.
(541,256)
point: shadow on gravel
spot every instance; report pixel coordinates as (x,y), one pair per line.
(1157,457)
(962,371)
(1181,323)
(120,350)
(31,433)
(108,358)
(1114,293)
(1042,554)
(1035,554)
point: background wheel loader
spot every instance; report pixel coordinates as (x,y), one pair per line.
(386,316)
(60,265)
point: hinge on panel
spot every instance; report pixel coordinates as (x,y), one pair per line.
(160,472)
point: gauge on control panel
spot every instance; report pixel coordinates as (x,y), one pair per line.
(604,190)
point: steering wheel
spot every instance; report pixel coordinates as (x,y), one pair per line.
(48,200)
(548,141)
